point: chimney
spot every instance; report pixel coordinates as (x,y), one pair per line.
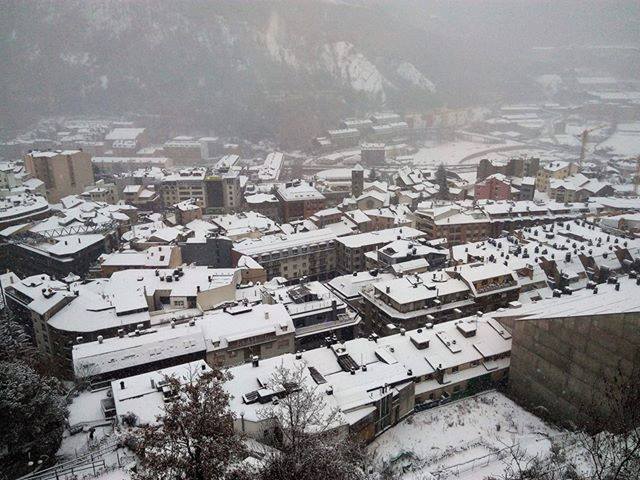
(403,332)
(255,361)
(329,390)
(79,339)
(100,338)
(122,385)
(153,383)
(266,315)
(120,333)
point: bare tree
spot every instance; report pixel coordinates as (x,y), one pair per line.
(194,438)
(605,447)
(612,436)
(308,434)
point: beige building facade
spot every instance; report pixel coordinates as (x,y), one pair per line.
(64,172)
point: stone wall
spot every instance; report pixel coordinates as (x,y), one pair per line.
(559,366)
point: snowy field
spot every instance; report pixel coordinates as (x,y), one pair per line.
(470,153)
(467,439)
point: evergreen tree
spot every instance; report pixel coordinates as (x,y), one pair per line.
(14,341)
(33,414)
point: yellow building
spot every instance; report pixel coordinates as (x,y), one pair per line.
(556,170)
(64,172)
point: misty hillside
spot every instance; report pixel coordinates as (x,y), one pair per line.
(263,67)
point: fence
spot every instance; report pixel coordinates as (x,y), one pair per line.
(90,464)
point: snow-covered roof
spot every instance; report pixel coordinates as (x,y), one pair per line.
(299,192)
(153,257)
(379,237)
(283,242)
(124,134)
(390,361)
(143,394)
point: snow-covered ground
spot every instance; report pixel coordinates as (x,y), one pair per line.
(470,153)
(468,434)
(625,142)
(114,475)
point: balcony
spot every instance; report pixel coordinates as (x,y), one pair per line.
(494,286)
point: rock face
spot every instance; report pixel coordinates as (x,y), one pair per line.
(254,67)
(230,61)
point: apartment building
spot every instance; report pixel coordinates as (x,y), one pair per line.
(578,188)
(494,187)
(145,198)
(68,242)
(22,208)
(376,382)
(413,300)
(101,191)
(556,170)
(318,315)
(373,154)
(223,338)
(183,185)
(63,314)
(64,172)
(183,150)
(514,167)
(299,200)
(116,165)
(126,140)
(351,249)
(400,251)
(291,256)
(168,256)
(456,224)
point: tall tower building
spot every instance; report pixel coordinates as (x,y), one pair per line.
(357,180)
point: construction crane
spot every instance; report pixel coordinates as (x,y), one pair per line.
(636,179)
(584,136)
